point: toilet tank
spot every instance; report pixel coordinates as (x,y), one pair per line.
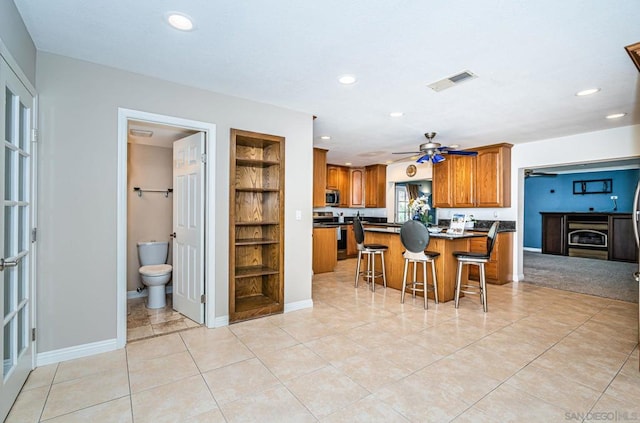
(153,252)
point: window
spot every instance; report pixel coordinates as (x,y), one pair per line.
(402,203)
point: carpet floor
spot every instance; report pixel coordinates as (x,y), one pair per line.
(608,279)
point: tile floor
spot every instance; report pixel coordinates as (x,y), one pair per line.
(357,356)
(143,322)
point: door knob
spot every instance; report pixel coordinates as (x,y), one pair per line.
(4,263)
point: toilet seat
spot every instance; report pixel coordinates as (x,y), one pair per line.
(155,269)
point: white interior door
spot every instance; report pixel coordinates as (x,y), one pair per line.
(15,224)
(188,226)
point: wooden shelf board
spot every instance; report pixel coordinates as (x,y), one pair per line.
(253,302)
(253,189)
(257,241)
(256,163)
(251,271)
(257,223)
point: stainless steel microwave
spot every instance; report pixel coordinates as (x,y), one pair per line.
(332,197)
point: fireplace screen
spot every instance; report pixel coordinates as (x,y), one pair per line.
(588,238)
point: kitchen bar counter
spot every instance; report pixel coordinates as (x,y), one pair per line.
(446,263)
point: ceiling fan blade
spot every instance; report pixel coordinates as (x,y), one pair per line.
(529,172)
(544,175)
(461,152)
(408,152)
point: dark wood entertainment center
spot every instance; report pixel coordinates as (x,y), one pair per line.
(605,236)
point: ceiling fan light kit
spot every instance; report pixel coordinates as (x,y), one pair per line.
(433,151)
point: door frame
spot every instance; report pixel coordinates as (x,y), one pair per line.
(124,115)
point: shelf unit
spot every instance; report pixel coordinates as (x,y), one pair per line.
(256,225)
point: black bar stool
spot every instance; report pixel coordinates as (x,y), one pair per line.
(476,259)
(415,238)
(370,250)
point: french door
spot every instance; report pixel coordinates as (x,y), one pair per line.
(16,106)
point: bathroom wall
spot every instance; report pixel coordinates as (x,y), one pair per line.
(150,216)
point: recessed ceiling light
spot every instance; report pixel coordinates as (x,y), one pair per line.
(348,163)
(396,114)
(616,115)
(325,137)
(347,79)
(587,92)
(180,21)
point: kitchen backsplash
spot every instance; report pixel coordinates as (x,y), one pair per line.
(349,212)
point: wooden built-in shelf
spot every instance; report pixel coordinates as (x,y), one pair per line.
(256,231)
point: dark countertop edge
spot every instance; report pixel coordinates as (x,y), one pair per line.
(587,213)
(438,235)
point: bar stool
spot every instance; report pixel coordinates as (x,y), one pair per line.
(415,238)
(476,259)
(370,250)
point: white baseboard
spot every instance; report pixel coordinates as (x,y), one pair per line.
(78,351)
(298,305)
(533,250)
(220,321)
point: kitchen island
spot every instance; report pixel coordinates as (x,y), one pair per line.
(446,264)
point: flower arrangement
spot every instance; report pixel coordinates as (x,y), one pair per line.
(419,209)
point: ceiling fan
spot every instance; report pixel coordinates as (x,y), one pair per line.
(433,151)
(530,172)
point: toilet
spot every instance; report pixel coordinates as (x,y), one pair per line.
(154,271)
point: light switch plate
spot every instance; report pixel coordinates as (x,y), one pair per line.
(298,214)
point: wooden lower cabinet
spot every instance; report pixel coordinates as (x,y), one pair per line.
(622,246)
(553,234)
(325,254)
(499,270)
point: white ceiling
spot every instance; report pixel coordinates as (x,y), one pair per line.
(531,57)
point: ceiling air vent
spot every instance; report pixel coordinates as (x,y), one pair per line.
(451,81)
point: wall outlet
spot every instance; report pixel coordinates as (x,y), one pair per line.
(614,197)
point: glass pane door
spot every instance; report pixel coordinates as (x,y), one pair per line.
(15,228)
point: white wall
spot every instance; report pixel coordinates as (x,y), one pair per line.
(397,172)
(16,39)
(79,104)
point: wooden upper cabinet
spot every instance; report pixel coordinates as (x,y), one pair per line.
(493,176)
(343,185)
(356,184)
(474,181)
(319,176)
(376,186)
(442,184)
(464,176)
(338,178)
(333,174)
